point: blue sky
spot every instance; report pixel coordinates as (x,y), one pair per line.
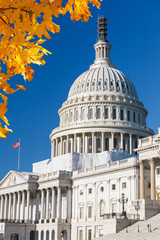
(133,31)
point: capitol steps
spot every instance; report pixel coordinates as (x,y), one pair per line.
(145,233)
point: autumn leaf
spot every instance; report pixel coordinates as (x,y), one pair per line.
(24,26)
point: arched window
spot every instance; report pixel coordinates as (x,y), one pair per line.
(128,115)
(32,235)
(77,115)
(71,116)
(64,147)
(114,113)
(106,113)
(101,208)
(53,235)
(115,143)
(98,145)
(64,235)
(69,147)
(106,144)
(98,113)
(124,144)
(42,235)
(122,114)
(134,117)
(14,236)
(138,118)
(90,145)
(83,114)
(90,115)
(47,235)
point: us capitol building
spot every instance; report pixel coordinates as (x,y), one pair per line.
(104,161)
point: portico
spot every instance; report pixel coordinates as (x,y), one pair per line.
(149,155)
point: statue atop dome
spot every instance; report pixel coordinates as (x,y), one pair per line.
(102,29)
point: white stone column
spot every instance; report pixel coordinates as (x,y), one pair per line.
(105,52)
(75,143)
(37,206)
(83,146)
(85,202)
(69,203)
(86,144)
(59,203)
(153,180)
(77,203)
(47,204)
(102,142)
(23,205)
(94,202)
(5,206)
(52,149)
(79,144)
(142,187)
(28,205)
(18,207)
(14,206)
(61,146)
(56,147)
(42,204)
(137,141)
(9,207)
(130,141)
(72,147)
(122,147)
(129,188)
(108,194)
(93,150)
(118,193)
(73,201)
(112,140)
(67,144)
(53,203)
(2,207)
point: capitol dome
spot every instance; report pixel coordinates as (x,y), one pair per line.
(102,111)
(104,79)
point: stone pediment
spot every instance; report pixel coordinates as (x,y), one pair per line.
(11,179)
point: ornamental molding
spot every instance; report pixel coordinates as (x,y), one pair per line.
(11,179)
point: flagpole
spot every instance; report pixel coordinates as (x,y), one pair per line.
(19,155)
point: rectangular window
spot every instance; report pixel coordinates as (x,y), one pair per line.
(89,211)
(81,212)
(138,118)
(81,235)
(158,171)
(122,115)
(106,144)
(124,185)
(134,117)
(90,190)
(114,113)
(90,234)
(106,113)
(113,186)
(81,192)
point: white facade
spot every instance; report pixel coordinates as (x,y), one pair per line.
(71,195)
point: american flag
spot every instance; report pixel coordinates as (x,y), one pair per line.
(16,145)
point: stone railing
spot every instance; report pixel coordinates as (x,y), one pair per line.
(118,215)
(62,174)
(108,166)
